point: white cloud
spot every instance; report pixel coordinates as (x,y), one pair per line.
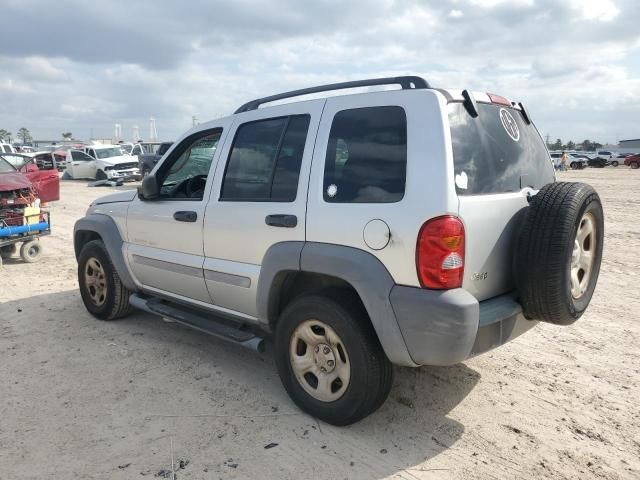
(604,10)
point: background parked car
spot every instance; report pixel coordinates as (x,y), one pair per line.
(6,148)
(155,152)
(598,162)
(632,161)
(577,161)
(101,162)
(44,179)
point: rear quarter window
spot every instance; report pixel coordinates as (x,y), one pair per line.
(496,152)
(366,160)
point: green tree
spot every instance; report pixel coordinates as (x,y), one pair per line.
(5,136)
(570,145)
(67,135)
(557,145)
(24,135)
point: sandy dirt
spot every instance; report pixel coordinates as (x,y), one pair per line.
(80,398)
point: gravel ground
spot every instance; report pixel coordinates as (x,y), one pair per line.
(81,398)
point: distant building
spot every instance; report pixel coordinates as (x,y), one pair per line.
(630,145)
(624,146)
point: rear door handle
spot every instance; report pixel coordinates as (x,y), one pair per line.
(280,220)
(185,216)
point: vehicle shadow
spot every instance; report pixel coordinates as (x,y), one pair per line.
(212,395)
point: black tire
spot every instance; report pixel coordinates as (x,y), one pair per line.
(116,302)
(100,175)
(31,251)
(544,248)
(634,165)
(8,251)
(614,163)
(574,166)
(372,373)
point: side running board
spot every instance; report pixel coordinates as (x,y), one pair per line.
(217,327)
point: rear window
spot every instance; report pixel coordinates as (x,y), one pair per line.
(497,152)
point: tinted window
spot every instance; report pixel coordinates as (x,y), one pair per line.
(264,163)
(496,152)
(366,158)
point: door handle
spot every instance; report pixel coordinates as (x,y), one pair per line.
(185,216)
(280,220)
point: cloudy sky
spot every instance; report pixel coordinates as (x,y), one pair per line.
(82,66)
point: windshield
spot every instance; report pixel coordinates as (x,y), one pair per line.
(496,152)
(5,167)
(126,148)
(108,152)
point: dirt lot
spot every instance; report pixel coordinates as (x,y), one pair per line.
(81,398)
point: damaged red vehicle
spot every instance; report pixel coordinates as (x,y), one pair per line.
(28,174)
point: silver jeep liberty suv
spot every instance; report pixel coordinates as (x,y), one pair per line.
(415,226)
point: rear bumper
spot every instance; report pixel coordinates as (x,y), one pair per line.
(446,327)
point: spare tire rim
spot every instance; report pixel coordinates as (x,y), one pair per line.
(95,282)
(583,256)
(319,360)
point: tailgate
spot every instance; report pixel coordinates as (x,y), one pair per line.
(489,222)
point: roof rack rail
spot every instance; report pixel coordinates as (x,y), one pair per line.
(406,83)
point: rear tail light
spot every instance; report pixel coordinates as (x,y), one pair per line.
(440,253)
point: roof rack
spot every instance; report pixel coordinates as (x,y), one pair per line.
(409,82)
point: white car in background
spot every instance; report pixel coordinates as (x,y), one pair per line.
(6,148)
(102,162)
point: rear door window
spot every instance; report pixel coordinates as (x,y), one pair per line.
(366,159)
(264,163)
(496,152)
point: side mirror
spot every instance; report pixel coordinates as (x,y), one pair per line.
(149,190)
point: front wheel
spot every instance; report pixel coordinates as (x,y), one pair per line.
(634,165)
(100,175)
(614,163)
(101,289)
(330,360)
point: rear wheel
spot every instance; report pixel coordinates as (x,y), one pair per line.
(31,251)
(614,163)
(634,165)
(559,251)
(330,360)
(102,291)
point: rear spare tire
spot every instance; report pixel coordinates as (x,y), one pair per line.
(558,252)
